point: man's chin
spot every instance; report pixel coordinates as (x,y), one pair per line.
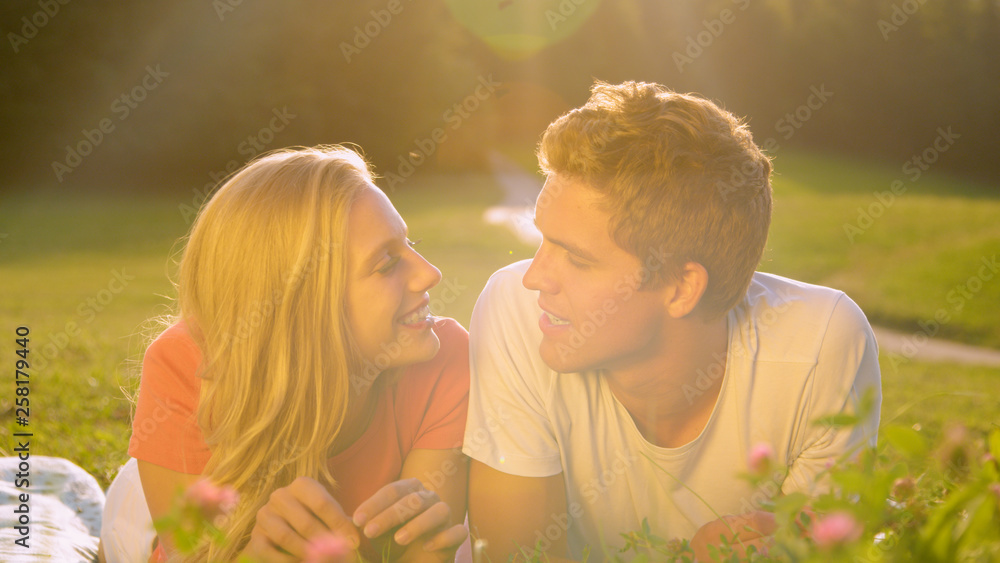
(562,358)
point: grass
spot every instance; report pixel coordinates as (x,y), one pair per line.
(907,264)
(64,256)
(931,397)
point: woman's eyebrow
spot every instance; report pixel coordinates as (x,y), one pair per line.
(376,255)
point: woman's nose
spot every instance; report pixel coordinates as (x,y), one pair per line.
(426,275)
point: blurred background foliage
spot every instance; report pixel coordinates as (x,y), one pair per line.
(355,71)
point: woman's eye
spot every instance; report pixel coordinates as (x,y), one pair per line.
(389,265)
(413,243)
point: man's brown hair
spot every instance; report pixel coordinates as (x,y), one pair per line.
(679,176)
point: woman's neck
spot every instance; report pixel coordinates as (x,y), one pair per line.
(360,412)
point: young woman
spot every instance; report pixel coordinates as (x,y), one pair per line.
(306,371)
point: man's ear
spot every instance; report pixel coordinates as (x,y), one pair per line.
(687,290)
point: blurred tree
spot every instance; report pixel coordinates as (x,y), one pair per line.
(237,78)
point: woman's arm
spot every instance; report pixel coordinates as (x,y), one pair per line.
(294,515)
(161,486)
(446,472)
(428,505)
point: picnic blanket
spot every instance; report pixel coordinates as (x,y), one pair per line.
(61,520)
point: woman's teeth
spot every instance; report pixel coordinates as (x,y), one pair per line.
(417,316)
(556,320)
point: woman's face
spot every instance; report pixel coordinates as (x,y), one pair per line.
(387,300)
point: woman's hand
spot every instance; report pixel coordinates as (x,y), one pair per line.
(294,515)
(419,514)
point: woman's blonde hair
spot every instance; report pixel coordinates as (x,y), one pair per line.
(262,288)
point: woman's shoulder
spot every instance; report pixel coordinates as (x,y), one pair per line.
(176,338)
(432,397)
(173,359)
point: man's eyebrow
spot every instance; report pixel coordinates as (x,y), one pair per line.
(573,249)
(570,247)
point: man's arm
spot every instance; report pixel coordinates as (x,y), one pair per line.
(846,371)
(514,514)
(516,482)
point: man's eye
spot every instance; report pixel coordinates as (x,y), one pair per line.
(389,265)
(576,263)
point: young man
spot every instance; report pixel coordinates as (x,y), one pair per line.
(628,369)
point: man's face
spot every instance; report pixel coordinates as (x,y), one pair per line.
(595,317)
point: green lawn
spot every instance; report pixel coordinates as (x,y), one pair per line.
(905,267)
(85,273)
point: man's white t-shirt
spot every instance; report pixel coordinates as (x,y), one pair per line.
(796,352)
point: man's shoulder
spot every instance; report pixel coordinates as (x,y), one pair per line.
(506,297)
(792,319)
(505,338)
(509,277)
(774,291)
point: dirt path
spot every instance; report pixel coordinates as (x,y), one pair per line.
(916,346)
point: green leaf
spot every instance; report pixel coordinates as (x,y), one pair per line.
(994,442)
(851,481)
(907,440)
(791,503)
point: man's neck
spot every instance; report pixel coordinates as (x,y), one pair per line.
(672,392)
